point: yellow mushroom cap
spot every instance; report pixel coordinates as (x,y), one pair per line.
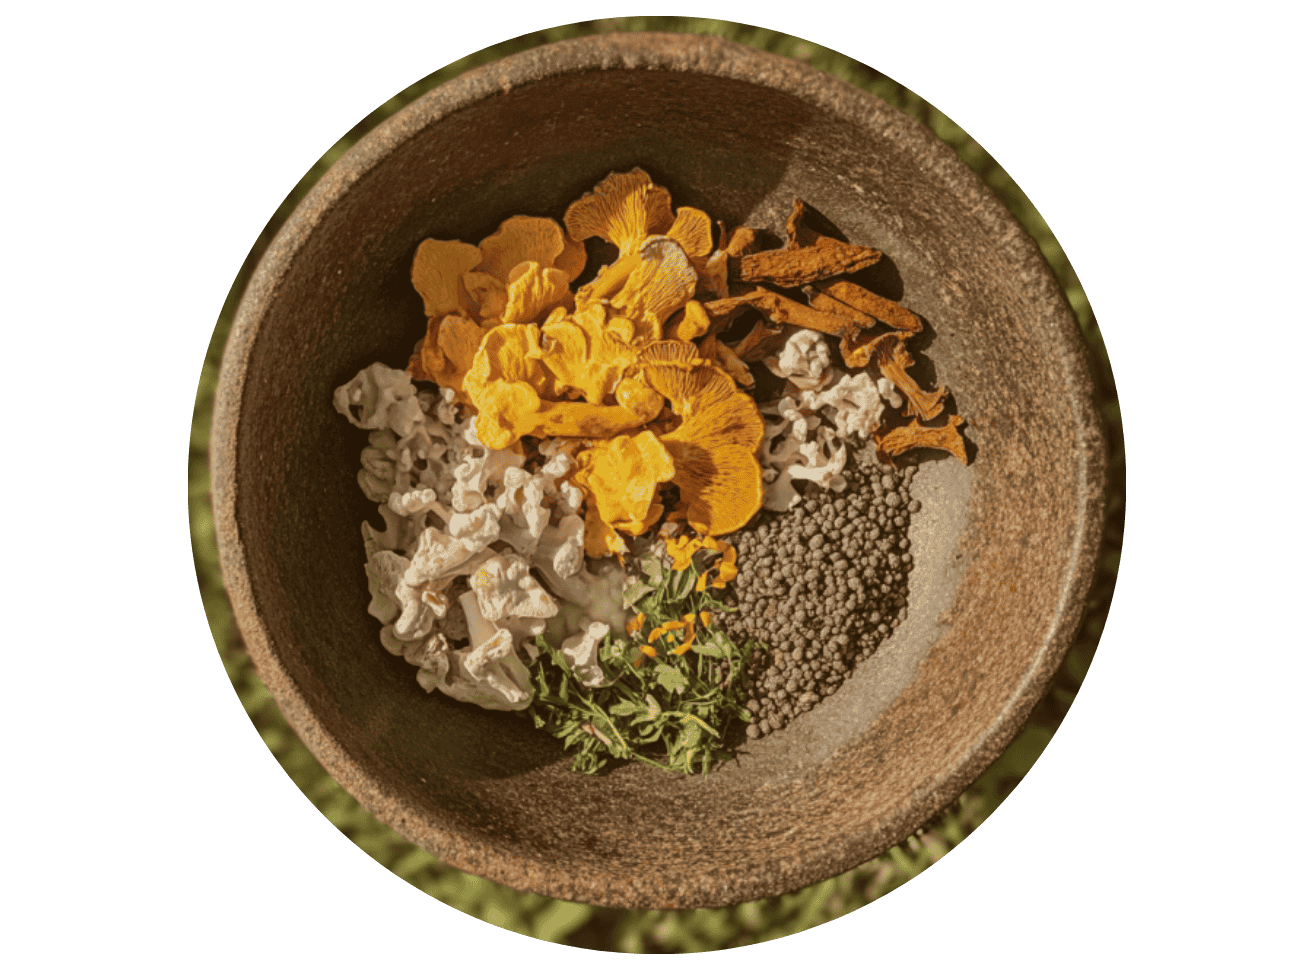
(436,275)
(523,239)
(692,229)
(447,351)
(584,353)
(621,476)
(624,208)
(715,446)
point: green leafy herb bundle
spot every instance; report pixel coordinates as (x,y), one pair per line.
(671,710)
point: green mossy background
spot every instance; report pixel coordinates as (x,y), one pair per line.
(675,931)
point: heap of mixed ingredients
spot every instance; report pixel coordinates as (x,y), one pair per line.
(646,507)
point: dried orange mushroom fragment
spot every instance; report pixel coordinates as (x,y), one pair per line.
(781,309)
(620,476)
(532,290)
(692,229)
(447,351)
(726,359)
(715,446)
(794,267)
(915,435)
(893,359)
(867,303)
(660,281)
(689,324)
(436,275)
(624,209)
(523,239)
(587,357)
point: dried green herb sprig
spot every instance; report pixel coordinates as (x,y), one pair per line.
(671,710)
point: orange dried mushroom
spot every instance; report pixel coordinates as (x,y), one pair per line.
(688,324)
(715,446)
(893,359)
(794,267)
(447,351)
(948,438)
(782,309)
(436,274)
(587,357)
(726,359)
(523,239)
(624,209)
(620,477)
(867,303)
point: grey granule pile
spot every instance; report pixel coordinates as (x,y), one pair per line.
(820,586)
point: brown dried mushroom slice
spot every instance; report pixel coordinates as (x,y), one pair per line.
(893,359)
(782,309)
(947,437)
(868,303)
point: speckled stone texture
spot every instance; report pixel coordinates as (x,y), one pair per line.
(1004,548)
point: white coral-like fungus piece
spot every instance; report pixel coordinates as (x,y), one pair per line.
(524,516)
(487,673)
(443,555)
(504,589)
(479,468)
(821,461)
(384,571)
(854,403)
(560,550)
(581,651)
(804,360)
(418,501)
(380,397)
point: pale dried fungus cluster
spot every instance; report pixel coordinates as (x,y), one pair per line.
(686,394)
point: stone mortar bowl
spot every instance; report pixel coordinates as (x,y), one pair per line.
(1004,547)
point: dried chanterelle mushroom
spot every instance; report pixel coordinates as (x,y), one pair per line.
(561,458)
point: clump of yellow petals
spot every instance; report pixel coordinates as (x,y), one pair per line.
(683,549)
(726,570)
(673,630)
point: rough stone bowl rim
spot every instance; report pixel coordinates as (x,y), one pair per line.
(718,57)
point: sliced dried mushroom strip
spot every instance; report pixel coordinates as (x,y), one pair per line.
(782,309)
(863,300)
(800,234)
(948,438)
(794,267)
(893,359)
(766,338)
(828,304)
(725,358)
(743,240)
